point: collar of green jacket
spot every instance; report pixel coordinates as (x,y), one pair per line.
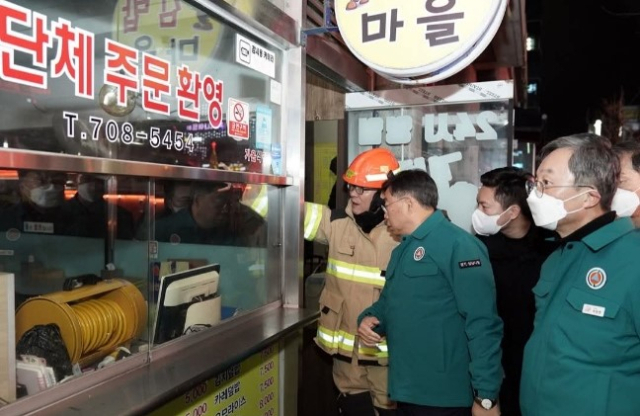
(601,231)
(429,225)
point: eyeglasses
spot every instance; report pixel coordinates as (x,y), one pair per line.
(359,190)
(539,187)
(385,207)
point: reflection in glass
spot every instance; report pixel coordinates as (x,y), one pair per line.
(88,233)
(218,227)
(456,143)
(88,207)
(54,231)
(39,204)
(215,216)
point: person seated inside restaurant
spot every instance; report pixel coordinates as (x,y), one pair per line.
(40,208)
(215,216)
(88,208)
(177,196)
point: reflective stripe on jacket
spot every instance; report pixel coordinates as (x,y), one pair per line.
(353,279)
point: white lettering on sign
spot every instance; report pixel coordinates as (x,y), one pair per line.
(437,127)
(464,127)
(125,133)
(254,56)
(38,227)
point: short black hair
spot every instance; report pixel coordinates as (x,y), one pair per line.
(629,147)
(510,185)
(416,183)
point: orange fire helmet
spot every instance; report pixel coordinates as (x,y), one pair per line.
(369,169)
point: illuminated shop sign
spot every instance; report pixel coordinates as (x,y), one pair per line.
(126,69)
(251,387)
(413,42)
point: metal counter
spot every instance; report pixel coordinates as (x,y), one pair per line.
(174,368)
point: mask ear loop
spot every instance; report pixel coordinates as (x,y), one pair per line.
(501,214)
(573,197)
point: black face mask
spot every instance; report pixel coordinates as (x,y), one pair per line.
(369,219)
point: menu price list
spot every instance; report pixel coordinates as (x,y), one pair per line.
(249,388)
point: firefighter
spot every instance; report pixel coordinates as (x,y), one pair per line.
(359,248)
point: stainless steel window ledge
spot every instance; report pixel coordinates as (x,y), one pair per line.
(181,365)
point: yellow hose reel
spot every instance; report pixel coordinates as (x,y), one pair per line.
(93,319)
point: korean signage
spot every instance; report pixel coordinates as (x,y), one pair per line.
(418,41)
(454,132)
(254,56)
(134,80)
(238,119)
(250,388)
(126,70)
(455,145)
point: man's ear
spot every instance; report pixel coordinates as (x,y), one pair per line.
(593,199)
(514,212)
(410,203)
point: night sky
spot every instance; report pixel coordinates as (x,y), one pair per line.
(589,53)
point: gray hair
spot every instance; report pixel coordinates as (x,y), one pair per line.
(593,163)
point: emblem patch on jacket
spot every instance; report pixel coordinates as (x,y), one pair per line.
(596,278)
(418,254)
(469,263)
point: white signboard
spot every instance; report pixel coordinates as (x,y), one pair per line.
(255,56)
(416,42)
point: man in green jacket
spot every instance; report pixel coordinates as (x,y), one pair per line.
(437,309)
(583,357)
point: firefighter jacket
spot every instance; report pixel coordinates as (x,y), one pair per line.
(353,280)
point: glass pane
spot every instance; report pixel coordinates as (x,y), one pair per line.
(455,143)
(55,230)
(149,81)
(199,224)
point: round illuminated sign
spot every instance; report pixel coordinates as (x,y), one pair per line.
(418,41)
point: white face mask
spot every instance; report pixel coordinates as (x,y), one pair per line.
(548,210)
(484,224)
(48,196)
(625,202)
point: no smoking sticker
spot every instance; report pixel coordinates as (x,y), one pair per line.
(238,119)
